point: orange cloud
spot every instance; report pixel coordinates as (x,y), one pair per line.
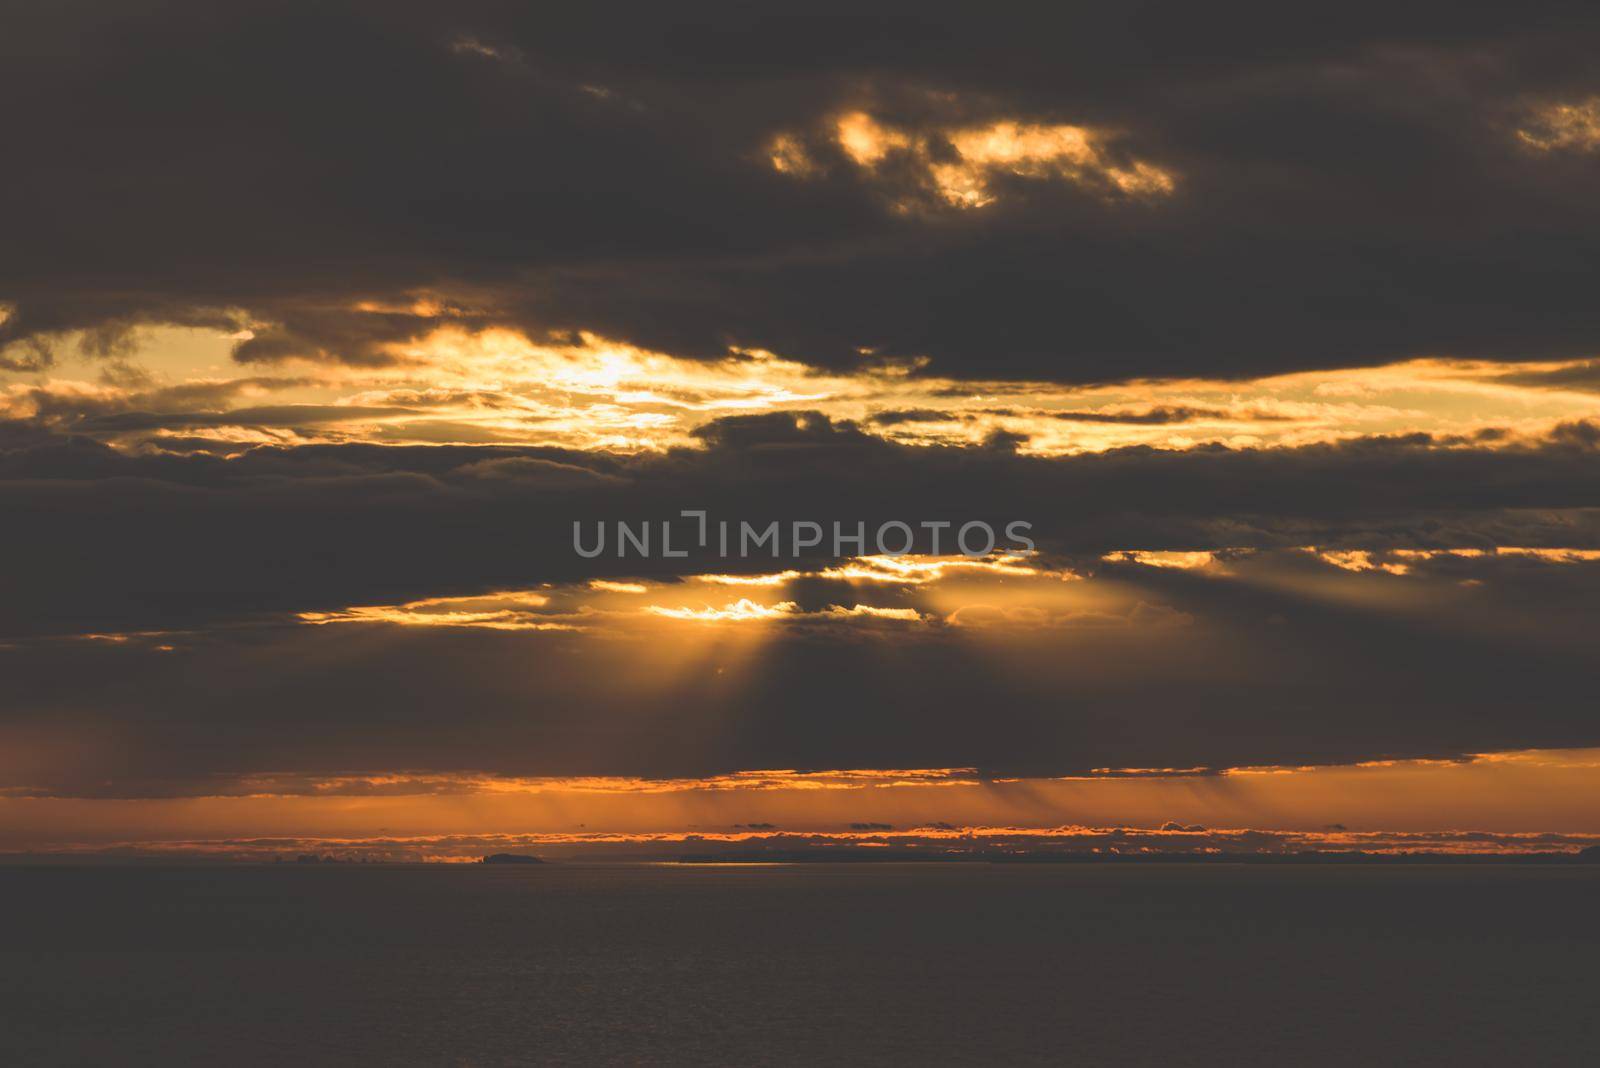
(959,163)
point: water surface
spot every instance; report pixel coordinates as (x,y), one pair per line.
(959,963)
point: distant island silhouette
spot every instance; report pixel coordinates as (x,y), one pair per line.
(847,855)
(511,858)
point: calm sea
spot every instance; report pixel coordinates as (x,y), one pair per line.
(960,964)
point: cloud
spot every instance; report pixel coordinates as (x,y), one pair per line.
(958,166)
(1564,127)
(1579,375)
(315,528)
(204,565)
(1288,184)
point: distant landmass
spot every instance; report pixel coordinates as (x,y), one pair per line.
(1589,855)
(511,858)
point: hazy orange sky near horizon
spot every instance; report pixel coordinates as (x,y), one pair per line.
(1484,804)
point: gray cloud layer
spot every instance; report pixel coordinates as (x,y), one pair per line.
(1350,187)
(1293,661)
(119,541)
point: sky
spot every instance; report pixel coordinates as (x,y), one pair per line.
(1265,344)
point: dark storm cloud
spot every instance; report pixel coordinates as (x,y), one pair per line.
(1330,682)
(1291,660)
(112,541)
(901,416)
(283,415)
(1160,415)
(72,410)
(1583,376)
(1349,185)
(1150,417)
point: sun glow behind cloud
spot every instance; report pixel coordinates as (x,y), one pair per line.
(871,590)
(1571,126)
(958,164)
(460,386)
(1003,596)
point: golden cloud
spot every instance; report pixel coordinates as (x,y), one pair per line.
(959,164)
